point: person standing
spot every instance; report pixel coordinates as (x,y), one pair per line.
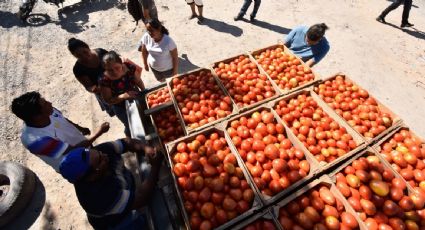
(245,7)
(406,10)
(122,81)
(149,10)
(106,189)
(308,43)
(159,52)
(200,7)
(46,132)
(88,68)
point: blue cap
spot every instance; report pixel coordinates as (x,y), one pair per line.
(74,165)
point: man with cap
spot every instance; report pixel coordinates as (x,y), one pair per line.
(105,188)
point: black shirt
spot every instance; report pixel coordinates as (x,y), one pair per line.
(93,73)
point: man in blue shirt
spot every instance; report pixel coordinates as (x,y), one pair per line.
(308,43)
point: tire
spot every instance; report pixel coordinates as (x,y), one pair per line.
(21,189)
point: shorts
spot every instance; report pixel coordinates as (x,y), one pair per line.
(162,75)
(197,2)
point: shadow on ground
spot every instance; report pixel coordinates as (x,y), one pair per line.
(222,27)
(74,18)
(411,31)
(185,64)
(32,212)
(9,20)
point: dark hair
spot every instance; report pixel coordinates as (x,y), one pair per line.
(74,44)
(111,56)
(156,24)
(27,106)
(317,31)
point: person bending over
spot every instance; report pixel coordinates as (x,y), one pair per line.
(308,43)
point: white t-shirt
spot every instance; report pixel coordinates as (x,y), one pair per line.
(159,57)
(50,142)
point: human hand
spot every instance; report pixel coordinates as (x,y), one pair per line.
(104,127)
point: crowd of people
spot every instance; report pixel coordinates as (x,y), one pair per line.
(104,186)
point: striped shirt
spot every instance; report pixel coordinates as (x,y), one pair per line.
(50,142)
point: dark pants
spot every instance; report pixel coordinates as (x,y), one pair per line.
(121,114)
(246,5)
(397,3)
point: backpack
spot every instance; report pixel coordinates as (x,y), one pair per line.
(135,9)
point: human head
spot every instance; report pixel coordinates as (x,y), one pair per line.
(31,105)
(82,164)
(79,49)
(315,33)
(113,65)
(155,29)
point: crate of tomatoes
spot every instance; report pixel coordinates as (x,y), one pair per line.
(319,131)
(200,100)
(214,190)
(276,163)
(167,125)
(317,205)
(378,194)
(244,82)
(405,151)
(286,70)
(158,97)
(357,107)
(264,220)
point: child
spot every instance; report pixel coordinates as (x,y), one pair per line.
(121,81)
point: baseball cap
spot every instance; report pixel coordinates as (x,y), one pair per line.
(75,164)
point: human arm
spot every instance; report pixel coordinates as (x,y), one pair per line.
(107,96)
(319,52)
(310,62)
(104,127)
(145,54)
(145,7)
(175,59)
(289,38)
(87,83)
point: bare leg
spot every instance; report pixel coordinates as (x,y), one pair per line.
(201,17)
(192,7)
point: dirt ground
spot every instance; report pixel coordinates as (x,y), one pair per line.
(387,61)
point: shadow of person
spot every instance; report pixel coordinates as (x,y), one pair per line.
(222,27)
(412,31)
(74,17)
(9,20)
(185,64)
(266,25)
(27,218)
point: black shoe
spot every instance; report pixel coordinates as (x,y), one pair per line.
(381,19)
(252,19)
(237,18)
(407,24)
(200,19)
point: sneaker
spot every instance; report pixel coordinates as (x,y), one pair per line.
(193,16)
(407,24)
(380,19)
(237,18)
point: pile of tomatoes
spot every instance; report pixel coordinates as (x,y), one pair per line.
(200,99)
(318,208)
(321,135)
(380,199)
(213,185)
(261,224)
(268,154)
(285,69)
(243,81)
(406,153)
(355,105)
(158,97)
(168,125)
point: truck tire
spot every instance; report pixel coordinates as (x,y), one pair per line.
(18,185)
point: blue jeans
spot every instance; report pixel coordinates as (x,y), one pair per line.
(246,5)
